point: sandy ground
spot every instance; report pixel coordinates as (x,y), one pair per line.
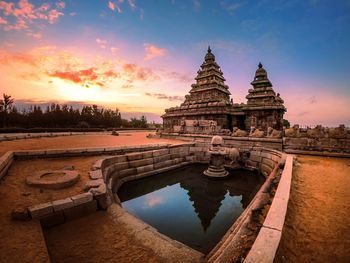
(95,238)
(78,141)
(317,225)
(25,239)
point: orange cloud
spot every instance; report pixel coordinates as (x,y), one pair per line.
(134,73)
(153,51)
(86,77)
(10,58)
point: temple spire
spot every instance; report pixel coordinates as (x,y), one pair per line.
(209,50)
(260,65)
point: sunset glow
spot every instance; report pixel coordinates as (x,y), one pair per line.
(142,56)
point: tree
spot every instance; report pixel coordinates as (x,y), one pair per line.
(285,123)
(5,106)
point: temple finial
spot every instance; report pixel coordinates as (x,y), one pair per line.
(260,65)
(209,50)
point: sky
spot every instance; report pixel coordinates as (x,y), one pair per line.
(142,56)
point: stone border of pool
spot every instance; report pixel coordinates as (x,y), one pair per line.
(133,162)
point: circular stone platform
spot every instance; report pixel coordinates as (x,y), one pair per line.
(53,179)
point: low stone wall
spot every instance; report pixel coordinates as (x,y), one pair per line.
(238,142)
(335,142)
(267,241)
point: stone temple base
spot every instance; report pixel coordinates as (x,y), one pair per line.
(216,172)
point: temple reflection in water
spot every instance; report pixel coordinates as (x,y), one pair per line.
(175,201)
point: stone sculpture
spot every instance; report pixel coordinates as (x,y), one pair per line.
(256,133)
(272,133)
(238,133)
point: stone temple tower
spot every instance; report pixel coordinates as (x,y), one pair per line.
(208,99)
(264,108)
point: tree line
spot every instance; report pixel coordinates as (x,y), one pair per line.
(64,116)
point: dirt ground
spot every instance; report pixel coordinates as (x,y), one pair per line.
(317,227)
(95,238)
(78,141)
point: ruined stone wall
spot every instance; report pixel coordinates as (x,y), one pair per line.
(319,140)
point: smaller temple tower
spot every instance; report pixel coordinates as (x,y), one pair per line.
(264,108)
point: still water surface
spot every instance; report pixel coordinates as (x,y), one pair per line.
(189,207)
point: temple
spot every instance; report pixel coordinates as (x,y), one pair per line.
(208,107)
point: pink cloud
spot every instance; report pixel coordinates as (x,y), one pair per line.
(25,14)
(60,5)
(114,49)
(54,15)
(153,51)
(35,35)
(3,21)
(101,42)
(6,7)
(114,6)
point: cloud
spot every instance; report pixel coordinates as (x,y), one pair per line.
(35,35)
(101,42)
(153,51)
(60,5)
(162,96)
(152,201)
(312,100)
(73,13)
(132,4)
(3,21)
(114,49)
(230,7)
(185,78)
(86,77)
(24,14)
(114,6)
(11,58)
(54,15)
(133,72)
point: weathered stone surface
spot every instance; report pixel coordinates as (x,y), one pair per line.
(127,172)
(20,213)
(146,155)
(134,156)
(264,247)
(163,164)
(269,162)
(119,166)
(59,205)
(39,179)
(53,219)
(138,163)
(161,158)
(160,152)
(93,184)
(40,210)
(144,169)
(96,174)
(81,198)
(80,210)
